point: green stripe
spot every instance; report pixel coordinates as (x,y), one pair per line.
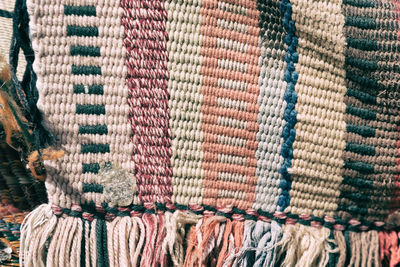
(362,63)
(96,89)
(353,209)
(79,89)
(361,112)
(359,166)
(370,85)
(360,149)
(93,129)
(91,109)
(78,50)
(80,10)
(359,3)
(86,70)
(360,22)
(364,131)
(362,44)
(363,97)
(357,182)
(95,148)
(355,196)
(82,31)
(89,188)
(90,168)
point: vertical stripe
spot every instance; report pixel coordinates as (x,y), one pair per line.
(395,201)
(371,79)
(84,111)
(319,132)
(147,57)
(184,86)
(272,106)
(229,161)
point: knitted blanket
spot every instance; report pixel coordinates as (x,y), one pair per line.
(218,133)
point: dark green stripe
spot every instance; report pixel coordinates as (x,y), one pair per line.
(360,149)
(96,89)
(80,10)
(359,3)
(361,112)
(362,44)
(86,70)
(99,242)
(6,14)
(360,22)
(353,209)
(83,244)
(359,166)
(95,148)
(90,51)
(91,109)
(90,168)
(92,188)
(362,63)
(93,129)
(79,89)
(364,131)
(363,97)
(82,31)
(370,85)
(357,182)
(355,196)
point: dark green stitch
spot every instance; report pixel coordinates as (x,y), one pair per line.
(80,10)
(78,50)
(86,70)
(95,148)
(82,31)
(91,109)
(93,129)
(96,188)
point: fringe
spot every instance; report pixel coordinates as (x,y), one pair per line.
(182,238)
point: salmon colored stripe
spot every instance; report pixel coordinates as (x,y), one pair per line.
(250,22)
(228,34)
(231,113)
(211,72)
(245,3)
(230,150)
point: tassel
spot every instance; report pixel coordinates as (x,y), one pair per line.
(341,245)
(193,241)
(305,246)
(160,256)
(389,248)
(150,223)
(364,249)
(36,229)
(176,234)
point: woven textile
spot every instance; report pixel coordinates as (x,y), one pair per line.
(218,133)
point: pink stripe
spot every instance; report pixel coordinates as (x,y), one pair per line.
(146,60)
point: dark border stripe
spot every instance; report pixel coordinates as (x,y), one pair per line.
(86,70)
(79,89)
(92,188)
(96,89)
(359,3)
(90,168)
(78,50)
(360,149)
(91,109)
(361,112)
(82,31)
(6,14)
(80,10)
(359,166)
(93,129)
(95,148)
(364,131)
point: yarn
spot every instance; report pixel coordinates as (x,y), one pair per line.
(212,133)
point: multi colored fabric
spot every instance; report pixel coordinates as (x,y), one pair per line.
(217,133)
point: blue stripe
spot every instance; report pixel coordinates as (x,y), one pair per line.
(291,76)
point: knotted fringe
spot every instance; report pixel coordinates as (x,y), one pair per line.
(182,238)
(305,246)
